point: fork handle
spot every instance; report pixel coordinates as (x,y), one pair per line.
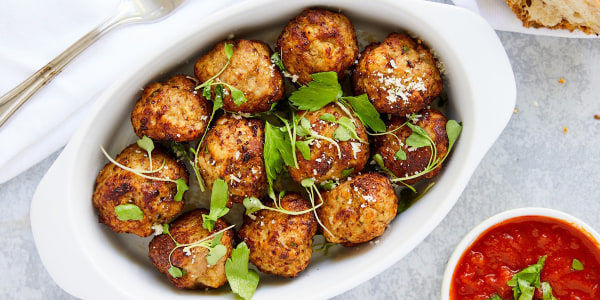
(15,98)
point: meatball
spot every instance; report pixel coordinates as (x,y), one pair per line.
(315,41)
(171,111)
(197,272)
(155,198)
(417,159)
(233,151)
(399,75)
(279,243)
(358,210)
(250,71)
(325,161)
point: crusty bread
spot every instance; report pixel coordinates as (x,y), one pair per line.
(572,15)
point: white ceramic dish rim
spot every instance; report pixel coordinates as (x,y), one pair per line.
(470,237)
(80,244)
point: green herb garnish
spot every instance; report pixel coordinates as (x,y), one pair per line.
(494,297)
(418,138)
(216,250)
(218,204)
(147,144)
(576,265)
(547,292)
(129,212)
(241,280)
(527,280)
(325,89)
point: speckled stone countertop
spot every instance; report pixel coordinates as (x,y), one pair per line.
(547,156)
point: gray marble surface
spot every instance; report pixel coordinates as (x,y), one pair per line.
(535,162)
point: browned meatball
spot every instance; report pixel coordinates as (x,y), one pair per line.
(116,186)
(417,159)
(325,163)
(399,75)
(197,272)
(315,41)
(250,71)
(279,243)
(233,151)
(171,111)
(358,210)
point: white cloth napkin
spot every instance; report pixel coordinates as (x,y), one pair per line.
(501,17)
(33,32)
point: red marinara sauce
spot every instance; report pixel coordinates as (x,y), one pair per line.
(512,245)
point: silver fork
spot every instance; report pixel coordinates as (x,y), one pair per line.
(129,11)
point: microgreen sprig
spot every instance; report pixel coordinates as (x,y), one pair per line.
(253,204)
(211,242)
(305,130)
(236,94)
(312,189)
(419,138)
(180,183)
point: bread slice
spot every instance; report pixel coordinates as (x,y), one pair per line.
(572,15)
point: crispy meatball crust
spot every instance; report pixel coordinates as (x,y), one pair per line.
(358,210)
(281,244)
(417,159)
(116,186)
(399,75)
(325,163)
(250,71)
(233,151)
(315,41)
(171,111)
(197,273)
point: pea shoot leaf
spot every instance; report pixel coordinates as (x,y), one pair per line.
(576,265)
(215,253)
(453,130)
(307,182)
(417,141)
(304,129)
(347,123)
(219,95)
(129,212)
(206,91)
(327,117)
(400,155)
(241,280)
(366,112)
(218,204)
(342,134)
(228,50)
(146,143)
(182,187)
(304,149)
(527,280)
(237,96)
(175,271)
(252,204)
(322,90)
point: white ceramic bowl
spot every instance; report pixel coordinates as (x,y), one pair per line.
(89,261)
(495,219)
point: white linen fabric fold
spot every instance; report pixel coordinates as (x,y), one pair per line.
(33,32)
